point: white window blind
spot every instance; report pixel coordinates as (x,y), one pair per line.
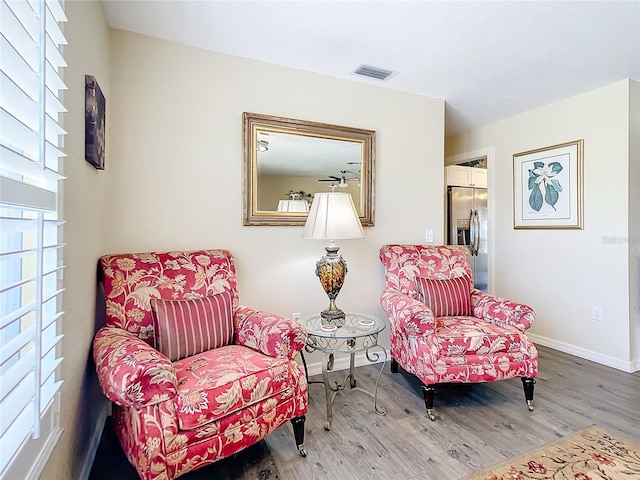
(31,140)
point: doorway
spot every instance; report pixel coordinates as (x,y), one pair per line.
(469,210)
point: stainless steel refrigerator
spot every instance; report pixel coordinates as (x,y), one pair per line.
(467,225)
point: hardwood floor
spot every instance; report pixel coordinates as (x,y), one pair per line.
(477,425)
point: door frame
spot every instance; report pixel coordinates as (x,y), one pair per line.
(489,153)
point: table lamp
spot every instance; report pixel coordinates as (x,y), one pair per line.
(333,216)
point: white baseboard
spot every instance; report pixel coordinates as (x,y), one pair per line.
(597,357)
(342,363)
(95,441)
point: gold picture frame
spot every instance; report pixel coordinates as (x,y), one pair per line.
(286,158)
(548,187)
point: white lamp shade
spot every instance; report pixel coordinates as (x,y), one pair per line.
(333,216)
(293,206)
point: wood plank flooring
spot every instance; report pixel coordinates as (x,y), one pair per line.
(477,425)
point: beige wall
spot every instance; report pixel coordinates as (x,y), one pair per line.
(173,180)
(84,207)
(634,220)
(176,166)
(562,273)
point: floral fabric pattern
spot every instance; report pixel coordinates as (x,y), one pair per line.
(131,280)
(172,418)
(216,383)
(159,450)
(410,316)
(270,334)
(130,371)
(593,454)
(500,311)
(403,263)
(490,345)
(468,335)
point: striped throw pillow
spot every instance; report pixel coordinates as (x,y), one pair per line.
(187,327)
(445,297)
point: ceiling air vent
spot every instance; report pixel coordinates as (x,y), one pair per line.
(374,72)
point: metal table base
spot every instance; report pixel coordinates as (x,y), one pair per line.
(355,333)
(331,391)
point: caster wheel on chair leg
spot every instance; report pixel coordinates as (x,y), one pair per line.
(427,392)
(528,384)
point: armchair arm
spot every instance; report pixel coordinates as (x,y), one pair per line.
(500,311)
(130,371)
(271,334)
(408,314)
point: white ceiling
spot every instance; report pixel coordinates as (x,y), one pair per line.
(487,60)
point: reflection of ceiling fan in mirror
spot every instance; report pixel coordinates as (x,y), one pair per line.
(343,181)
(301,195)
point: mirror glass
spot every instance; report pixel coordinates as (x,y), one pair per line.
(287,161)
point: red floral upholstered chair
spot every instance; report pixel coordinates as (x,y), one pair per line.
(443,330)
(193,376)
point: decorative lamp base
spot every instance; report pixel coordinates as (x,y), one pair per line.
(332,315)
(331,270)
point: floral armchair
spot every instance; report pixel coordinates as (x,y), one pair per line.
(443,330)
(193,376)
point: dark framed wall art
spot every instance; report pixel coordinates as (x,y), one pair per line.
(94,124)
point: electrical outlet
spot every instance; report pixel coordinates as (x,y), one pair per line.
(596,313)
(429,235)
(295,316)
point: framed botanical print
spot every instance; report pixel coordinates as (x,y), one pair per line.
(548,187)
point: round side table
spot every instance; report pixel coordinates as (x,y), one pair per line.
(355,333)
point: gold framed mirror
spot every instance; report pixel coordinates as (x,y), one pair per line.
(287,161)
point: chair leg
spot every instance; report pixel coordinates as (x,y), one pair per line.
(298,433)
(394,365)
(528,383)
(427,393)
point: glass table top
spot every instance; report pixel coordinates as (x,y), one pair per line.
(354,325)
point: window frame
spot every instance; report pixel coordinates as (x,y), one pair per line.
(31,146)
